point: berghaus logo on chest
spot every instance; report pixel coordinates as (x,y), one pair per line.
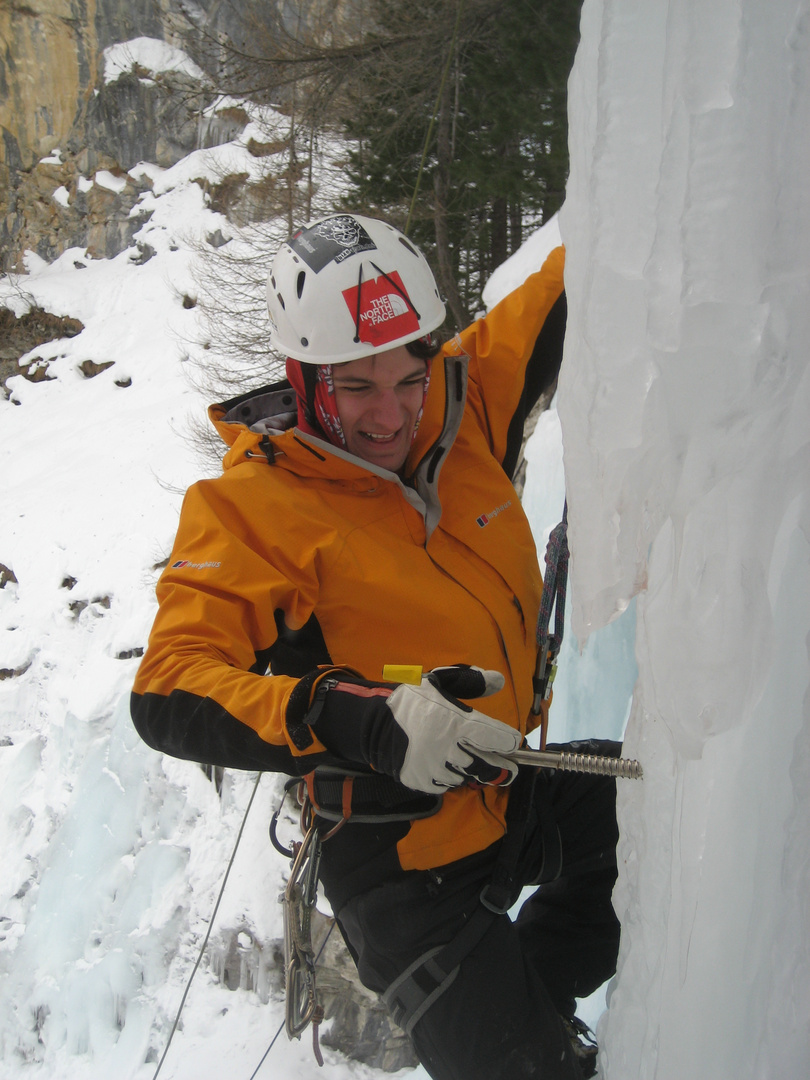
(486,519)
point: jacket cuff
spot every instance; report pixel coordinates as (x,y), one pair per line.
(297,717)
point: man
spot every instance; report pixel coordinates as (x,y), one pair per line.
(366,517)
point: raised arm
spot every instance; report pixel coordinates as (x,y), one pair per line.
(515,354)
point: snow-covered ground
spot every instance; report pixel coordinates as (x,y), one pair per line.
(683,410)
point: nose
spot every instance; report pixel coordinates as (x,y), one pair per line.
(386,409)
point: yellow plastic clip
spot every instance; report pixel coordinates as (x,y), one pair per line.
(402,673)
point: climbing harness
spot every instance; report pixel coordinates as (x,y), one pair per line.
(339,794)
(327,794)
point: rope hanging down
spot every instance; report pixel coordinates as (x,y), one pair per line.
(208,929)
(555,583)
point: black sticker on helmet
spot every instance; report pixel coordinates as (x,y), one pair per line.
(332,240)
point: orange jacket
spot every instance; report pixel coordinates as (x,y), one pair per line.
(302,554)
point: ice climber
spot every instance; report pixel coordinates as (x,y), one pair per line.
(366,517)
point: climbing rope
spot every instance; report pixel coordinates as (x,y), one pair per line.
(209,927)
(555,583)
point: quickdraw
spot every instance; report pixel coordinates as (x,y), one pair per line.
(302,1003)
(303,1006)
(328,794)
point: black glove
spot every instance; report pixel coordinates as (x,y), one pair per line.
(421,735)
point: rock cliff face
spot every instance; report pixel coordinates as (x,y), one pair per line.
(51,66)
(62,121)
(97,86)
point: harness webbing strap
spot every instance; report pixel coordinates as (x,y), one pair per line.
(504,886)
(549,834)
(338,793)
(410,996)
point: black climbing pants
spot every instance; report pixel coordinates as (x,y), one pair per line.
(499,1017)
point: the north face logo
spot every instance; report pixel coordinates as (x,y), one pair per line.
(385,310)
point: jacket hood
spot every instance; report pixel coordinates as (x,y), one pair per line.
(247,423)
(270,410)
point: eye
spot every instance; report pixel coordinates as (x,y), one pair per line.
(351,389)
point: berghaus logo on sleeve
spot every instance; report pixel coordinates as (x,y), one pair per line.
(485,519)
(182,564)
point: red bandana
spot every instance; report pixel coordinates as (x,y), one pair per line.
(317,408)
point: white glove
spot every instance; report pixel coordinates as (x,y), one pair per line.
(421,735)
(448,742)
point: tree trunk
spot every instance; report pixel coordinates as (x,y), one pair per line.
(515,225)
(441,188)
(499,233)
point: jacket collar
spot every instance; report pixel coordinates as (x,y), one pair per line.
(261,424)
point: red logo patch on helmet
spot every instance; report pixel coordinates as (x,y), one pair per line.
(385,311)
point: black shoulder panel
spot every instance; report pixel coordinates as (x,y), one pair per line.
(541,371)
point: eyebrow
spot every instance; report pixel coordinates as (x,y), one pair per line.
(344,380)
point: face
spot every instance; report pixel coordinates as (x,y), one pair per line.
(378,399)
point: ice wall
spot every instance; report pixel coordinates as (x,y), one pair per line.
(684,401)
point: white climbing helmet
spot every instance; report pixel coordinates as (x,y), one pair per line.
(347,286)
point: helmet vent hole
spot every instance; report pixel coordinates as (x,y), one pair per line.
(299,287)
(304,341)
(281,301)
(409,247)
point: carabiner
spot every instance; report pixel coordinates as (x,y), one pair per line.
(299,899)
